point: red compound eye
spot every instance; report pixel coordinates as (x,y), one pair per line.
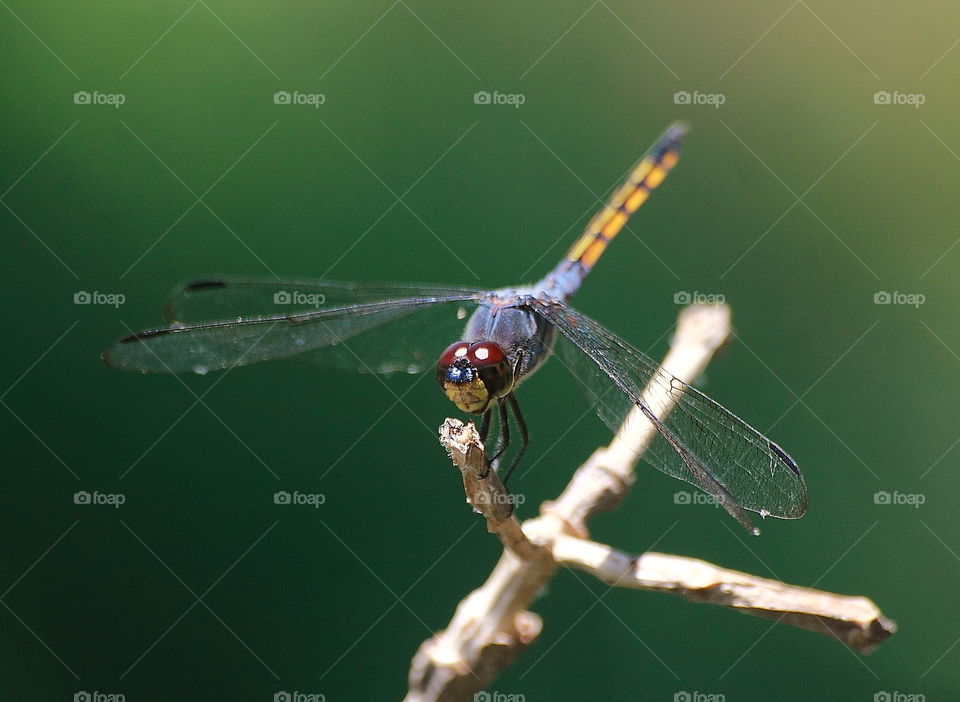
(453,353)
(474,375)
(485,353)
(493,367)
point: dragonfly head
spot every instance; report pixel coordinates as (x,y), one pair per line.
(474,375)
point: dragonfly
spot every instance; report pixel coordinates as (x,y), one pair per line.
(503,337)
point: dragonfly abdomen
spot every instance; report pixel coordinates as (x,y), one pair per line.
(646,175)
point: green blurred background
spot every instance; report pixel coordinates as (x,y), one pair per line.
(335,601)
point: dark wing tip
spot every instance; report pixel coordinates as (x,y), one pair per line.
(149,334)
(791,464)
(121,363)
(801,507)
(107,356)
(169,310)
(206,284)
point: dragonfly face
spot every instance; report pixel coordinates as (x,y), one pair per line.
(474,376)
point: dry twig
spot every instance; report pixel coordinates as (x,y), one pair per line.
(492,626)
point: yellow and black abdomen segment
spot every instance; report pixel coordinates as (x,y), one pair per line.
(608,222)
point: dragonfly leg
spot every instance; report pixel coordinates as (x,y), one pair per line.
(485,426)
(524,437)
(484,433)
(503,438)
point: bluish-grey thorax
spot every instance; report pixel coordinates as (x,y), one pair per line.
(503,342)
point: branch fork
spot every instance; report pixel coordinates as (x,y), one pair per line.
(492,625)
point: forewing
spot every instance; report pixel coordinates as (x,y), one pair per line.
(229,297)
(700,441)
(400,335)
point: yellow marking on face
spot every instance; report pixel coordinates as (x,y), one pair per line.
(469,397)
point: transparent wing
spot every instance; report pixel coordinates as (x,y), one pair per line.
(228,297)
(700,441)
(398,335)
